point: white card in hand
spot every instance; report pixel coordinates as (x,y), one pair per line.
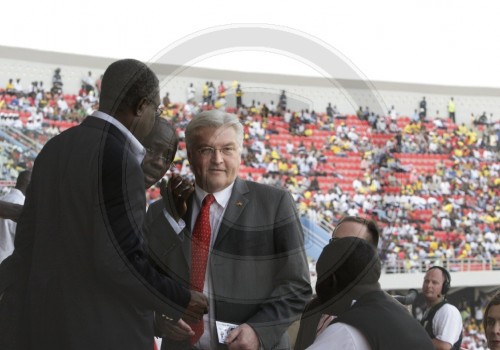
(223,330)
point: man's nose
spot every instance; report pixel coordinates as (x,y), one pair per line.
(158,162)
(217,156)
(496,327)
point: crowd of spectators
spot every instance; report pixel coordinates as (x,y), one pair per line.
(442,209)
(430,212)
(39,113)
(333,164)
(432,185)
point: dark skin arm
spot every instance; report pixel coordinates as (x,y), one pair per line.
(441,345)
(10,210)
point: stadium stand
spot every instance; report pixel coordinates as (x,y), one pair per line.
(431,184)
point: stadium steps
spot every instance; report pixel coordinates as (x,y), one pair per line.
(316,237)
(6,135)
(27,142)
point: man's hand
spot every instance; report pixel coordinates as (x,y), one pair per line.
(243,337)
(178,332)
(175,194)
(197,307)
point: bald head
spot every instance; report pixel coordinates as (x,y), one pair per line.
(130,93)
(351,226)
(124,84)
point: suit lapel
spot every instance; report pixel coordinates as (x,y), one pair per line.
(166,243)
(235,206)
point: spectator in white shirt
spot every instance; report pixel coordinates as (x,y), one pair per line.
(8,227)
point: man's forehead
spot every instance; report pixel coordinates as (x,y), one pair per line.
(215,135)
(351,229)
(435,274)
(162,135)
(494,311)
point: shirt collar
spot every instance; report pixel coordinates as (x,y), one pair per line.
(221,197)
(135,146)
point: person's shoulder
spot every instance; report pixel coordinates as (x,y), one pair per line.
(344,335)
(114,137)
(450,308)
(55,142)
(100,125)
(260,187)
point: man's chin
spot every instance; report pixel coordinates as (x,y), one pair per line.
(215,186)
(430,296)
(149,181)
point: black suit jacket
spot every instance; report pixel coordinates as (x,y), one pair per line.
(258,265)
(83,279)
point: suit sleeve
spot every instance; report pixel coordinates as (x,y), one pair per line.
(292,288)
(123,208)
(165,245)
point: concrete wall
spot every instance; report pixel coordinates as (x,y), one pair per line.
(303,92)
(458,280)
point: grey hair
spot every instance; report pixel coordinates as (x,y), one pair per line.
(213,119)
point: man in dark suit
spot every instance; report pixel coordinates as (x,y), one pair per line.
(256,276)
(80,274)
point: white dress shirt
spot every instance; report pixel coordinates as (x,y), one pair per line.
(209,339)
(135,146)
(8,227)
(340,336)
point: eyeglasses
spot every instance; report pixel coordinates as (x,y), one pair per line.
(159,111)
(156,154)
(209,151)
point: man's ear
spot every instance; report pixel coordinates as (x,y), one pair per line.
(141,106)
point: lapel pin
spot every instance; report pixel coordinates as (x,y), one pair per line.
(239,204)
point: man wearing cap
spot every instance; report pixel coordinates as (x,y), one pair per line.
(367,318)
(312,319)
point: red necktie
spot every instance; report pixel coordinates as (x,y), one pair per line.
(200,245)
